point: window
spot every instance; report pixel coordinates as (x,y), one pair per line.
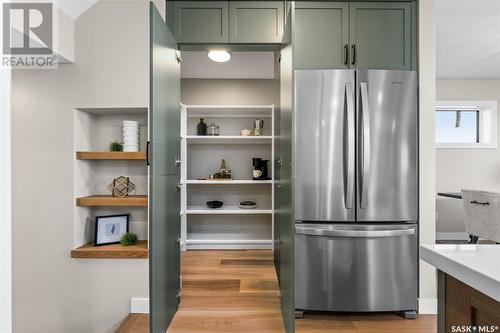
(461,124)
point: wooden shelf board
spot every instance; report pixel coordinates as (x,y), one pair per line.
(228,182)
(226,210)
(109,201)
(110,155)
(113,251)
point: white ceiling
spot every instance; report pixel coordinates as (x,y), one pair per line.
(74,8)
(243,65)
(468,39)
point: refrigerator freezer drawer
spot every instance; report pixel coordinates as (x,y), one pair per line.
(356,267)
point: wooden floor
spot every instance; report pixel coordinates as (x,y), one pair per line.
(236,291)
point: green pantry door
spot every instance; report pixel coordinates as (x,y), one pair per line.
(164,188)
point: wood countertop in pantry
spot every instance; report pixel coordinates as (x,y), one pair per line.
(112,251)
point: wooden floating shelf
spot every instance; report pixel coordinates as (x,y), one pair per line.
(110,201)
(113,251)
(226,210)
(229,139)
(228,182)
(110,155)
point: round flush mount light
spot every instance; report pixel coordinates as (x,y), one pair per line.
(219,55)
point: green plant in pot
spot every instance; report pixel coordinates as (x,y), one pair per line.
(128,239)
(116,146)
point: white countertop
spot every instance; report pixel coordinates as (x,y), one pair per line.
(475,265)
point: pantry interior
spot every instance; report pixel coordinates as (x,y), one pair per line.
(233,96)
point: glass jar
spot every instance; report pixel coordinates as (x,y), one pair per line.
(213,129)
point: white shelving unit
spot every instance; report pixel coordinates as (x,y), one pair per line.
(228,227)
(228,182)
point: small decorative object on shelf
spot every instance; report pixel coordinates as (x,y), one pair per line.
(260,169)
(130,135)
(214,204)
(116,146)
(213,130)
(248,204)
(109,229)
(121,187)
(258,125)
(224,173)
(201,128)
(128,239)
(246,132)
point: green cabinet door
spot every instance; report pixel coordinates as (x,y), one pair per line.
(164,174)
(201,21)
(321,35)
(256,21)
(380,35)
(283,218)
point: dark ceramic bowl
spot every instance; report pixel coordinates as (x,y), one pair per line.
(214,204)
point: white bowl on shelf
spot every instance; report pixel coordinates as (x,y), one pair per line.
(136,149)
(130,140)
(130,123)
(130,134)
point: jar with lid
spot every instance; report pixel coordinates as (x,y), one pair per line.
(213,129)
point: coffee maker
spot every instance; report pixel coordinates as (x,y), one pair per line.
(260,169)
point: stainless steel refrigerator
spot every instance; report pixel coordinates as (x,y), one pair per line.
(356,190)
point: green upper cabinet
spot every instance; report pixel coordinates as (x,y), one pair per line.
(201,21)
(381,35)
(321,35)
(256,21)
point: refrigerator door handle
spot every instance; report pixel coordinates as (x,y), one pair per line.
(349,98)
(355,233)
(365,160)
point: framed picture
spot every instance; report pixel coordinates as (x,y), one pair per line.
(109,229)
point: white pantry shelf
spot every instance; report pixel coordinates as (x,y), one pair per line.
(226,210)
(229,111)
(228,182)
(228,244)
(229,139)
(229,241)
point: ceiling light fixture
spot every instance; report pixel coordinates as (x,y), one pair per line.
(219,55)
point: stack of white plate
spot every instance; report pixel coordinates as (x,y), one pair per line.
(130,135)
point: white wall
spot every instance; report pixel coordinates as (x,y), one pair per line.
(51,291)
(5,201)
(427,72)
(464,168)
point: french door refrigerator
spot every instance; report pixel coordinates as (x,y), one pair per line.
(355,190)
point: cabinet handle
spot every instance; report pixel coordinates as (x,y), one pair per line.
(346,54)
(178,161)
(353,54)
(480,203)
(178,187)
(148,160)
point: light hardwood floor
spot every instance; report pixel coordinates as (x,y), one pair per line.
(236,291)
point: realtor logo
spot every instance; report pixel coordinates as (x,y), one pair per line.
(28,35)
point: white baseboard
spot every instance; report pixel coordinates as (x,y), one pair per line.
(452,236)
(427,305)
(139,305)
